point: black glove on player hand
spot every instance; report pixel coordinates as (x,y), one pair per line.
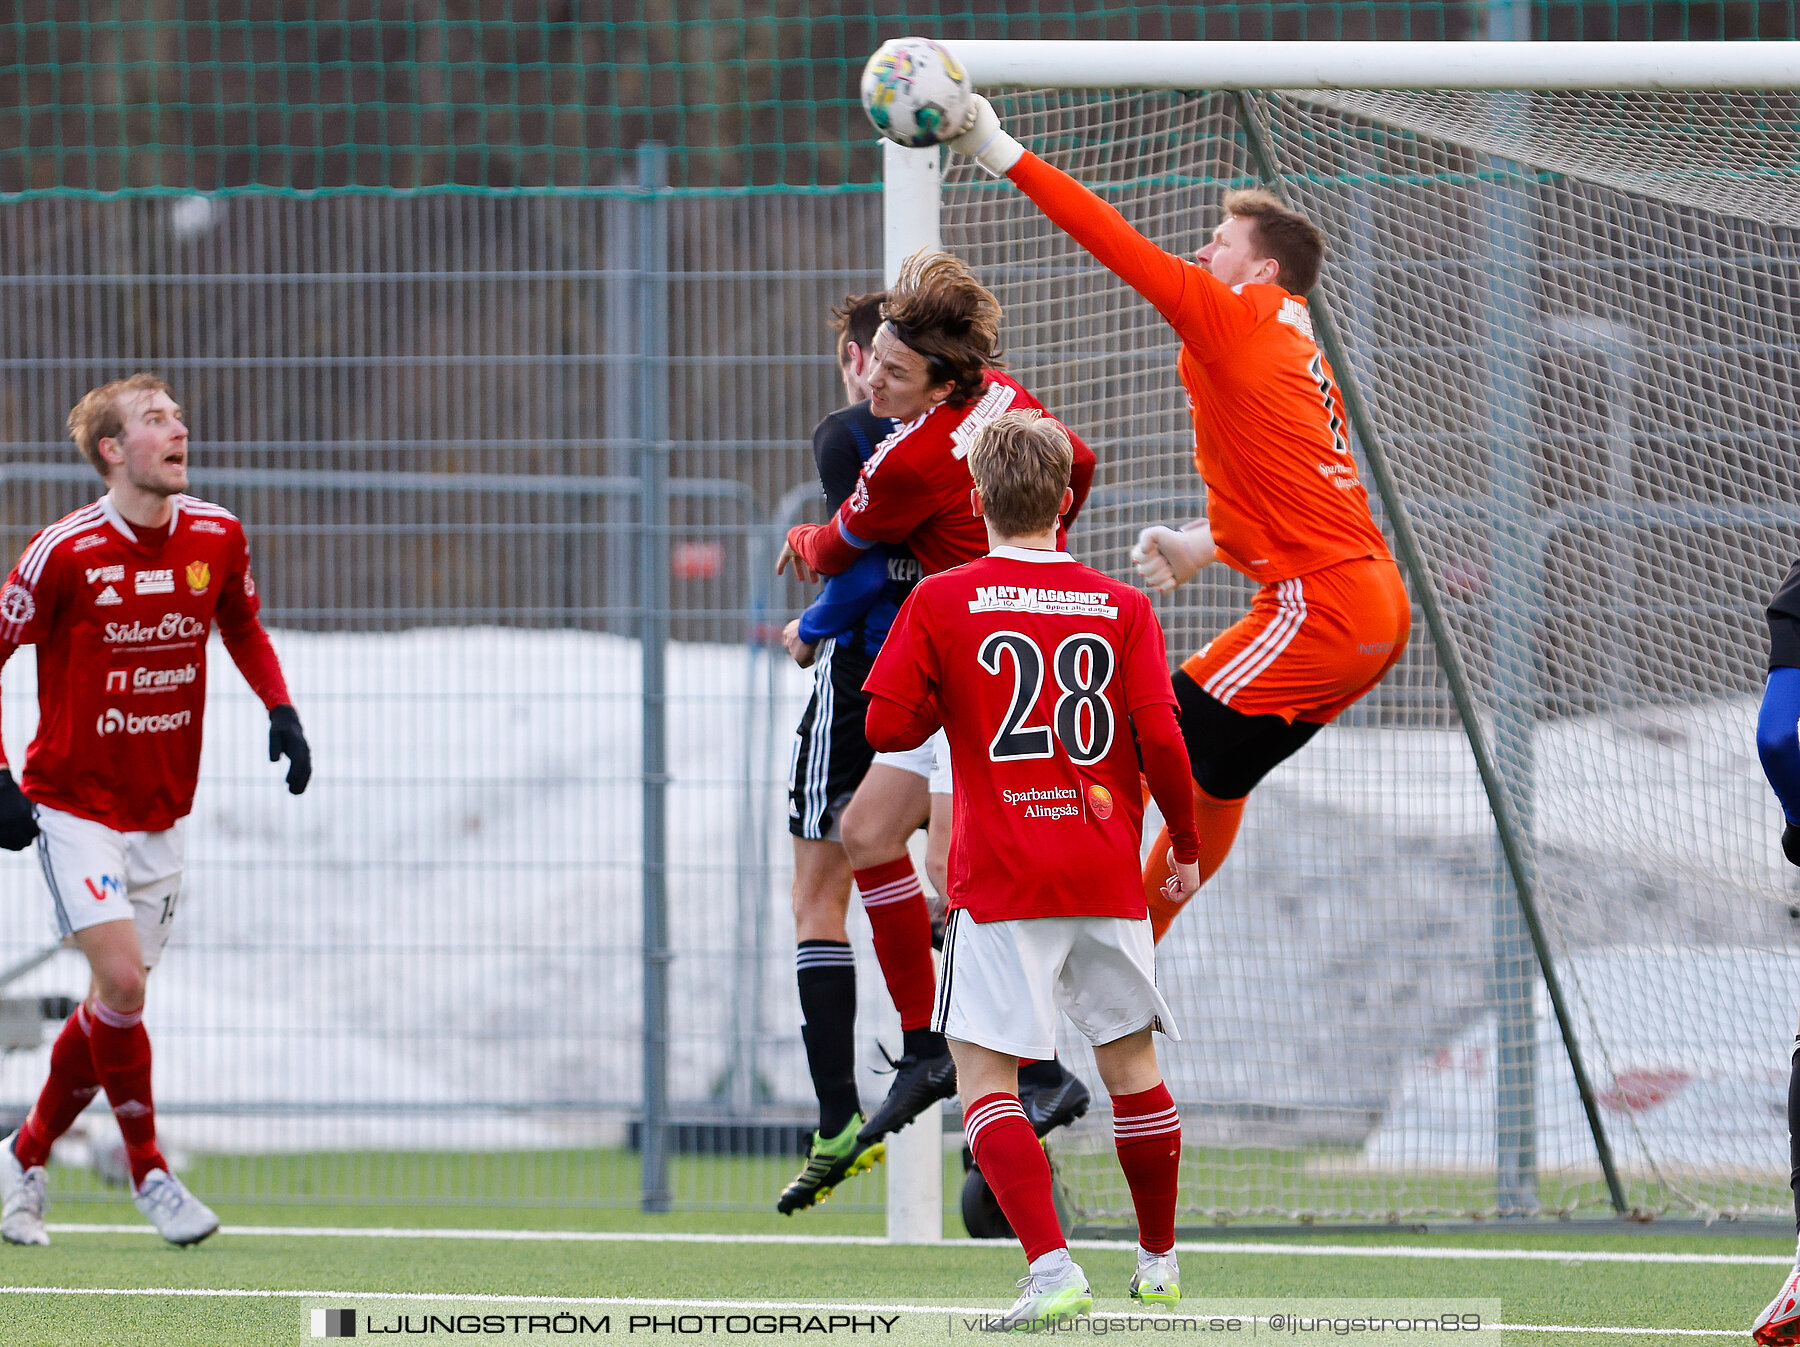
(17,826)
(1790,843)
(285,737)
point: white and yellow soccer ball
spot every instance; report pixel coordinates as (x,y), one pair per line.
(916,92)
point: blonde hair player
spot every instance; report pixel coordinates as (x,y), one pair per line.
(118,598)
(1061,685)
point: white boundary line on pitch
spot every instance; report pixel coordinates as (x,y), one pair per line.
(1197,1247)
(748,1306)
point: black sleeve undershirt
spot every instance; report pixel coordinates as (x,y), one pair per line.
(1784,622)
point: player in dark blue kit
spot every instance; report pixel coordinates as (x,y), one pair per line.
(837,637)
(1778,745)
(857,607)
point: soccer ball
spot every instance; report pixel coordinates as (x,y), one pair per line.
(916,92)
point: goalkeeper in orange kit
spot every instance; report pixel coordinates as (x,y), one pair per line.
(1285,505)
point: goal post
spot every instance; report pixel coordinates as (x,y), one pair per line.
(1511,937)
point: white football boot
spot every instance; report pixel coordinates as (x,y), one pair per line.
(1046,1300)
(1157,1281)
(179,1216)
(1779,1325)
(23,1199)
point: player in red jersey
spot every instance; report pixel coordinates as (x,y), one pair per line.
(934,371)
(1050,681)
(1284,503)
(118,598)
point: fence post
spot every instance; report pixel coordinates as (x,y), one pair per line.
(650,431)
(619,221)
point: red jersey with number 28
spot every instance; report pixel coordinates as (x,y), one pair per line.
(1037,667)
(120,625)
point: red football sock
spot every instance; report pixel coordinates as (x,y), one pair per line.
(1013,1163)
(122,1061)
(901,925)
(71,1085)
(1217,821)
(1147,1133)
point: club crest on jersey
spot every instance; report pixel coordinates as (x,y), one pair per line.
(1100,801)
(17,605)
(155,582)
(199,577)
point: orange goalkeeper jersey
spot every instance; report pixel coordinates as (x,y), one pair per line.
(1271,440)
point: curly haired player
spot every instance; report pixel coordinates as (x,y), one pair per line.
(935,372)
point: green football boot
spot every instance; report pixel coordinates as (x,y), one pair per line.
(829,1161)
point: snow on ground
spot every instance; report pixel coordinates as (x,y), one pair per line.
(1332,983)
(450,914)
(447,923)
(1688,1086)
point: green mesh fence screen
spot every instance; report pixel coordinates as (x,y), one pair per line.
(534,95)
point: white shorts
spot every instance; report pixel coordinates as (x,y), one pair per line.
(942,782)
(97,875)
(930,760)
(1002,983)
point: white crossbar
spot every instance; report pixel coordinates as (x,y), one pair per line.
(1381,65)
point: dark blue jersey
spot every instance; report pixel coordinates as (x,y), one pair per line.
(1784,622)
(1778,722)
(859,606)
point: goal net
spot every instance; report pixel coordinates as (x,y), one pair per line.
(1571,319)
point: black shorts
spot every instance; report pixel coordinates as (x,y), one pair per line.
(831,756)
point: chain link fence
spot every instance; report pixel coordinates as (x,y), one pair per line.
(444,421)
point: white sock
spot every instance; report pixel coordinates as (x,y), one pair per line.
(1146,1258)
(1054,1266)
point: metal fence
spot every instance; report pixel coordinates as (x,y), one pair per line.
(513,471)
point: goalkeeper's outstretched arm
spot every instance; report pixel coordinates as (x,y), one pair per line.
(1197,304)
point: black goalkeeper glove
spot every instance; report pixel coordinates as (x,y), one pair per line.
(1790,843)
(17,826)
(285,737)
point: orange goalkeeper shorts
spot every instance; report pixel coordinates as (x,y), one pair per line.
(1309,646)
